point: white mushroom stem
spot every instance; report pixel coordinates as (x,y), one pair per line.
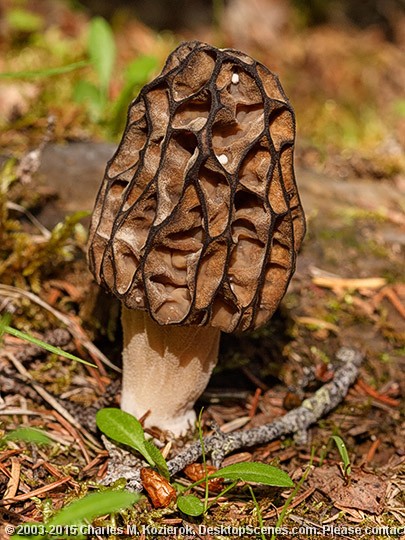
(165,369)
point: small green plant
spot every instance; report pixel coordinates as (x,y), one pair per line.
(93,88)
(346,470)
(258,473)
(239,472)
(125,429)
(6,329)
(72,521)
(101,50)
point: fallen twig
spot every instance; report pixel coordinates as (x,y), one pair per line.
(367,389)
(349,283)
(36,492)
(296,421)
(46,234)
(390,292)
(12,485)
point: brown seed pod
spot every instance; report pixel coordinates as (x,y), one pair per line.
(160,492)
(196,471)
(198,220)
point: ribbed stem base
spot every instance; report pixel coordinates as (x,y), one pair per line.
(166,369)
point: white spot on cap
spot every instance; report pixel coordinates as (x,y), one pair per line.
(235,78)
(223,159)
(138,299)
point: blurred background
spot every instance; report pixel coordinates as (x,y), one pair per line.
(341,63)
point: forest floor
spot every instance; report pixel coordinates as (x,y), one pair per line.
(348,290)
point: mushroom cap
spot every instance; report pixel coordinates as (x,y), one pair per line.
(198,219)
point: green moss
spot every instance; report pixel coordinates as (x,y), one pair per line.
(25,257)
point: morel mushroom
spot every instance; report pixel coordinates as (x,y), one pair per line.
(197,223)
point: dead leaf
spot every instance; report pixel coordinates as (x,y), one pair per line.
(366,491)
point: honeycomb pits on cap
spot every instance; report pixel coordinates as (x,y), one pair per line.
(198,220)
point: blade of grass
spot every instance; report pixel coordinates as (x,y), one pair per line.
(225,490)
(201,437)
(259,514)
(16,333)
(4,322)
(343,454)
(50,72)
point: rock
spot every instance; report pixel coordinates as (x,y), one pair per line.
(74,171)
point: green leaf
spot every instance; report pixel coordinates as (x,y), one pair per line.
(86,92)
(158,459)
(126,429)
(56,350)
(28,435)
(123,428)
(343,453)
(138,71)
(102,50)
(190,505)
(88,508)
(42,73)
(120,426)
(94,505)
(260,473)
(136,75)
